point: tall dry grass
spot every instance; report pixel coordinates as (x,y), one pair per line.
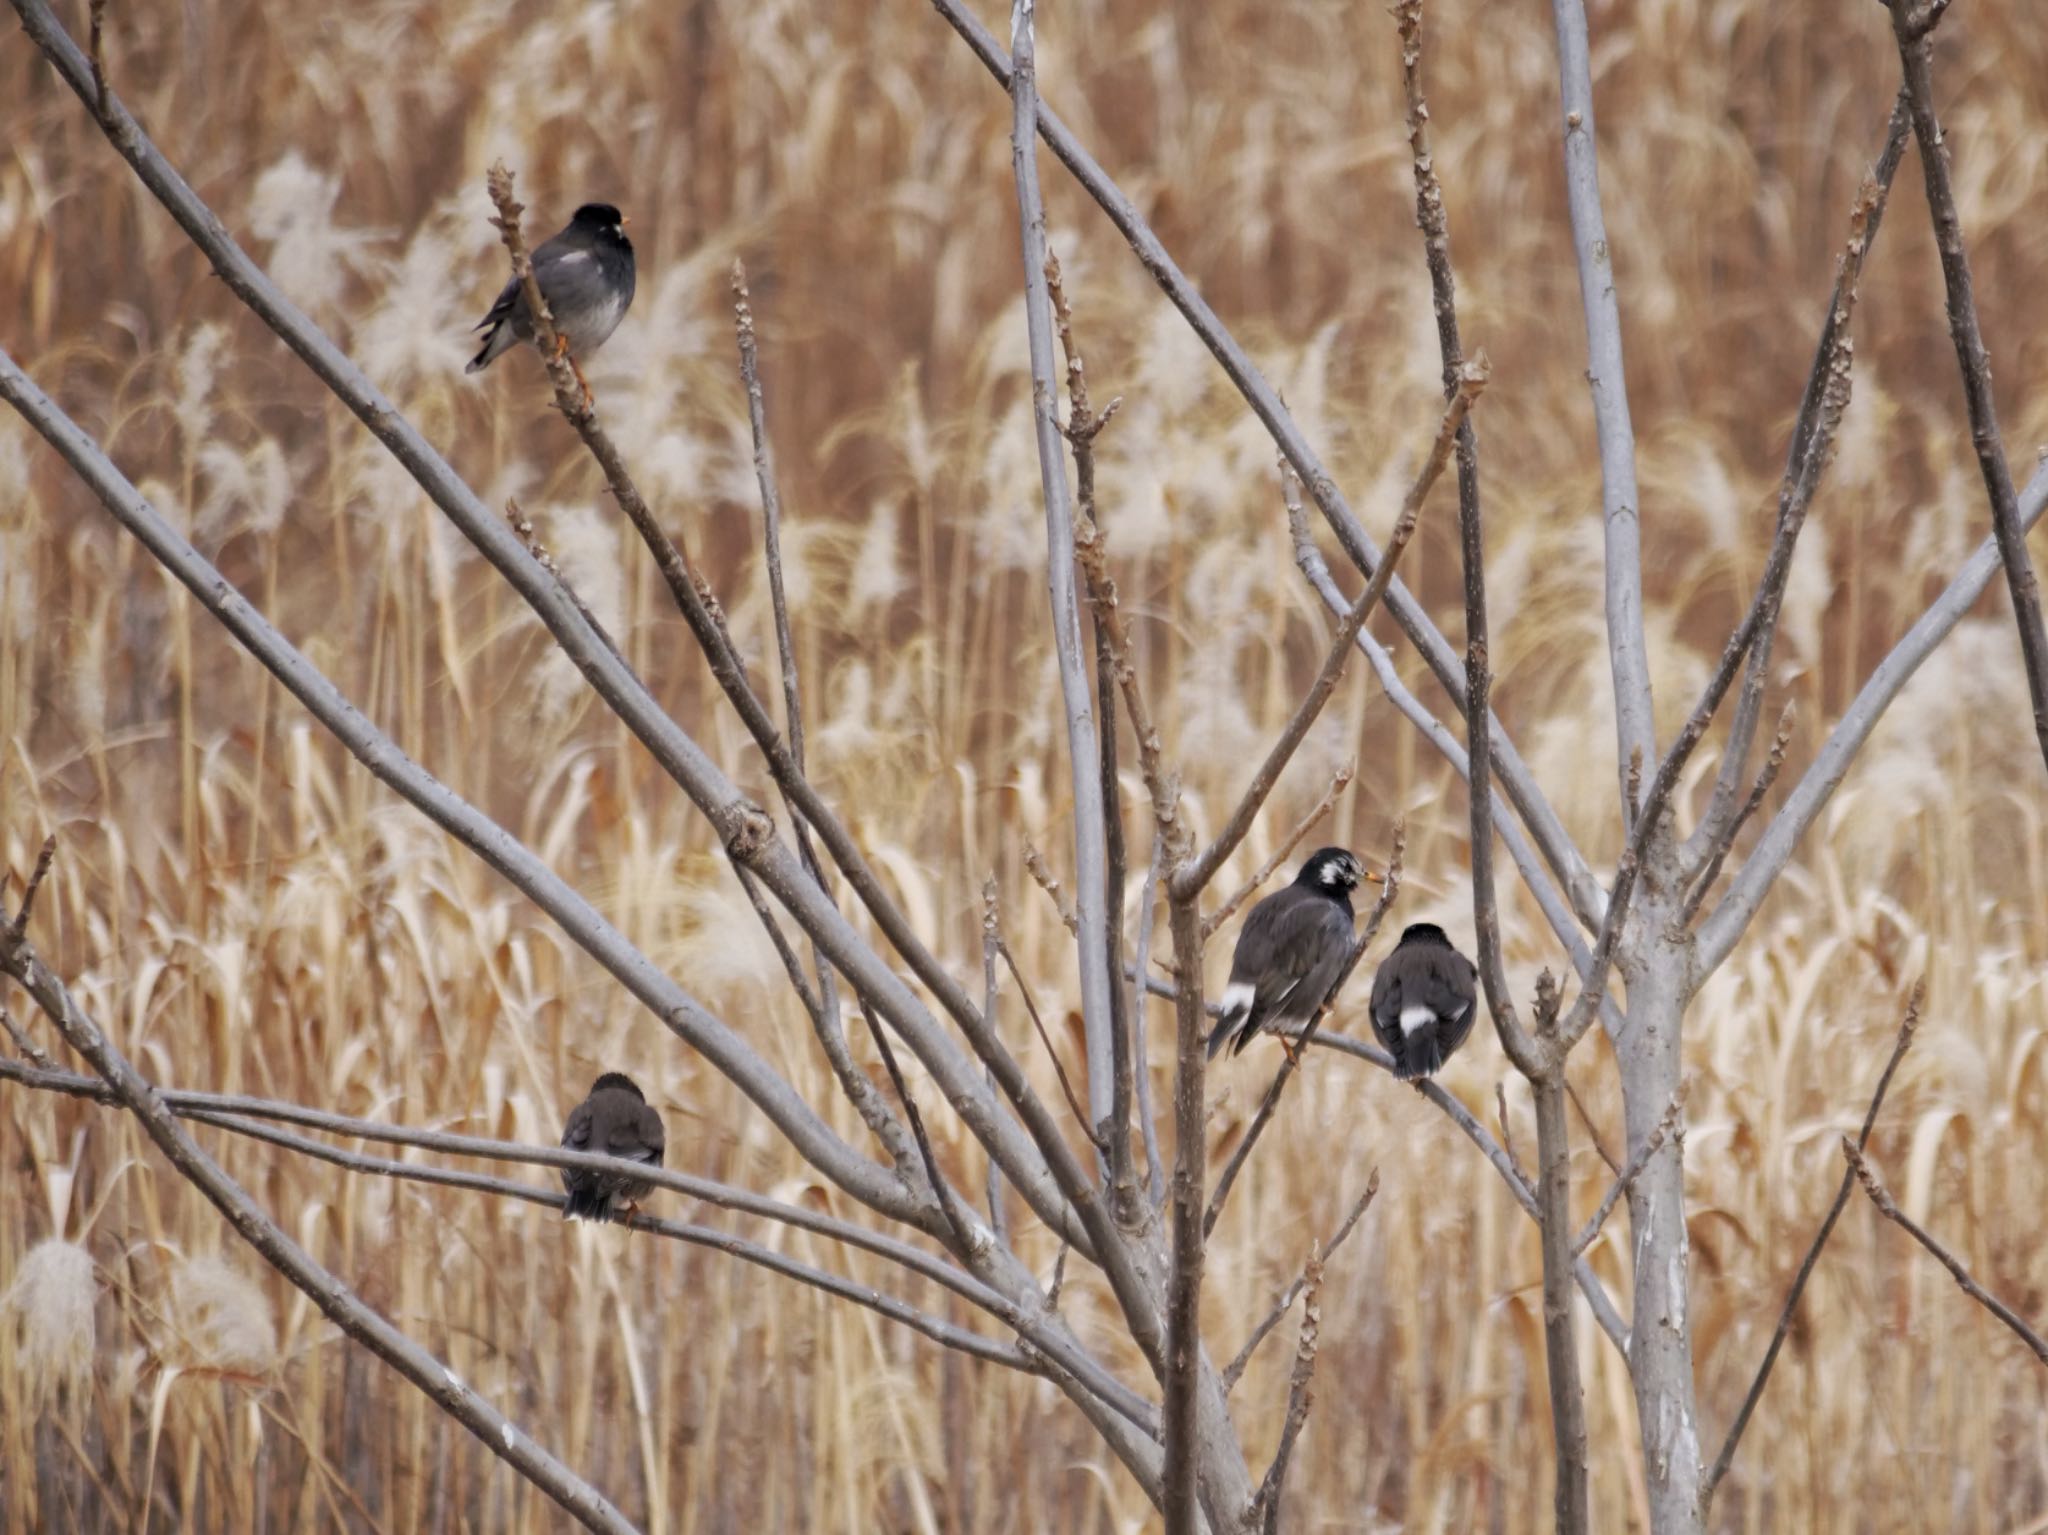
(247,911)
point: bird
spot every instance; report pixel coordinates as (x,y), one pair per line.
(1293,946)
(586,275)
(1423,1001)
(614,1120)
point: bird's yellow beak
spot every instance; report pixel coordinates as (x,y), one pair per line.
(625,220)
(1371,878)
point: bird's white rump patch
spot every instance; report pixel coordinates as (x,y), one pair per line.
(1237,999)
(1413,1018)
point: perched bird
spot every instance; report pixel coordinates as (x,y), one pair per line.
(586,275)
(1423,1001)
(1293,945)
(614,1120)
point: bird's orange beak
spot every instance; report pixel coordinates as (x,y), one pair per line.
(625,220)
(1371,878)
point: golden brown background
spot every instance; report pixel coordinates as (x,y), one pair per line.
(246,910)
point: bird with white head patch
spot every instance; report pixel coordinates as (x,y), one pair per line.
(1291,951)
(1423,1001)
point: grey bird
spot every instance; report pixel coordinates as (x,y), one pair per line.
(615,1120)
(1293,945)
(1423,1001)
(586,275)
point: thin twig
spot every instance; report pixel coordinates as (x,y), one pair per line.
(41,872)
(1300,1395)
(1507,1133)
(1042,876)
(1813,429)
(1725,925)
(1652,1143)
(1193,877)
(1234,1371)
(970,1239)
(28,1047)
(1907,1026)
(1388,891)
(1592,1129)
(1340,781)
(998,1217)
(1774,762)
(1916,58)
(1148,1125)
(1038,1023)
(825,1021)
(1881,1197)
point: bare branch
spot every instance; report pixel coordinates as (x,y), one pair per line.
(1518,1182)
(1621,507)
(1518,782)
(1148,1124)
(1754,633)
(1181,1411)
(336,1300)
(1388,891)
(937,1329)
(1340,781)
(1881,1197)
(1916,58)
(1652,1143)
(1042,876)
(1907,1026)
(1052,1054)
(971,1239)
(15,929)
(1234,1372)
(1083,748)
(1081,433)
(1556,909)
(243,1114)
(989,933)
(28,1047)
(1812,431)
(1592,1130)
(1726,923)
(1300,1395)
(825,1021)
(1774,762)
(1191,878)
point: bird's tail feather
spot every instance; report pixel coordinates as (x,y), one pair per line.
(587,1205)
(1421,1054)
(496,344)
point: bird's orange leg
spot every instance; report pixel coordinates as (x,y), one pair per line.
(562,351)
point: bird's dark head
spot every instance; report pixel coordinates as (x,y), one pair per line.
(1425,932)
(620,1081)
(1334,871)
(602,221)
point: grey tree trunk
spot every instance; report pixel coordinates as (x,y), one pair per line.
(1659,975)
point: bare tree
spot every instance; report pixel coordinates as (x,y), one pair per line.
(1652,920)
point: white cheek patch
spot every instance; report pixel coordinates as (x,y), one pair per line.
(1413,1018)
(1237,999)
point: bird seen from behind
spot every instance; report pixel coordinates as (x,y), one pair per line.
(1423,1001)
(615,1120)
(1291,951)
